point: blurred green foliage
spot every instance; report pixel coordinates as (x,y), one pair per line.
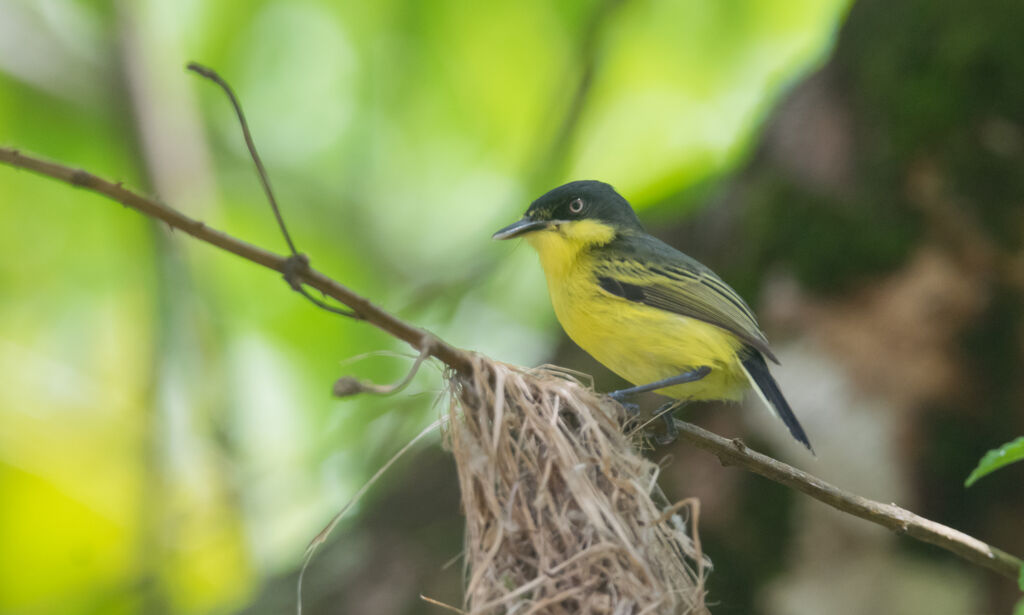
(167,438)
(996,458)
(1019,609)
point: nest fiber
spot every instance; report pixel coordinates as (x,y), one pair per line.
(563,515)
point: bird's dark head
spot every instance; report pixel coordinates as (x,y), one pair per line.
(583,212)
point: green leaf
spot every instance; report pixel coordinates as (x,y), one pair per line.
(997,458)
(1019,609)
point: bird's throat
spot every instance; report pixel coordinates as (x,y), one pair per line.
(560,246)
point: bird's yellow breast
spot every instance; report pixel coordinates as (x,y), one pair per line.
(639,343)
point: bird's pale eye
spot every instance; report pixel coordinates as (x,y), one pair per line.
(576,205)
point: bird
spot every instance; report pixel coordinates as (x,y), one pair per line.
(653,315)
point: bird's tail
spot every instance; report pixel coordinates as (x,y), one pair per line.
(768,390)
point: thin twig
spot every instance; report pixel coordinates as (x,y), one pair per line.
(441,604)
(668,409)
(350,385)
(728,451)
(212,75)
(297,262)
(899,520)
(322,536)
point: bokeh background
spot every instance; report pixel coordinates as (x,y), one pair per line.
(168,443)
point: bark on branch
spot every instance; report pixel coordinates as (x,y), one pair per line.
(899,520)
(416,337)
(730,452)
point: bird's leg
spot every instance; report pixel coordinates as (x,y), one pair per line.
(690,376)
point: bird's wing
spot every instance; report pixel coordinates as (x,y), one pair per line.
(663,278)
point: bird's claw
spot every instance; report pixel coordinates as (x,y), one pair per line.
(670,435)
(671,431)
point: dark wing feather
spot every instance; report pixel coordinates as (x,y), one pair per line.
(645,270)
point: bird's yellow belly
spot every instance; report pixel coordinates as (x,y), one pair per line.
(643,344)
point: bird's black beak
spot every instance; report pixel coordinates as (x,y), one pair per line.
(522,227)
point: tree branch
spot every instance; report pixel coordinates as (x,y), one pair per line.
(418,338)
(730,452)
(899,520)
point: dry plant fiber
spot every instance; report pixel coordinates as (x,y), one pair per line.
(563,514)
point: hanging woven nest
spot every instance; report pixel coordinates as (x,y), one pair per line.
(563,514)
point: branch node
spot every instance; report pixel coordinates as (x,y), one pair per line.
(347,386)
(80,178)
(428,343)
(294,267)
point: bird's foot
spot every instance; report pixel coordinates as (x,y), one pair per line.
(632,410)
(666,412)
(671,431)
